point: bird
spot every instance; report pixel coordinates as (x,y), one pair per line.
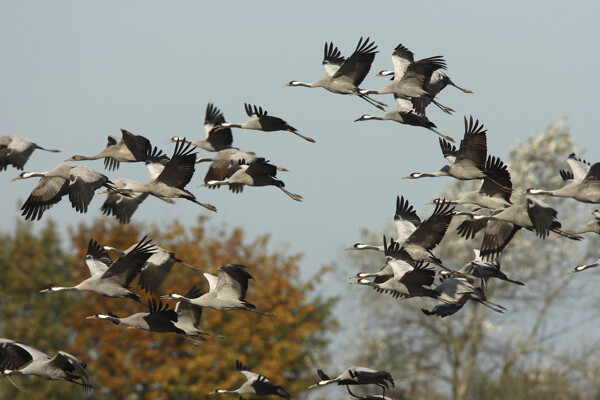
(122,207)
(227,290)
(495,190)
(429,234)
(216,139)
(184,320)
(485,270)
(411,77)
(260,121)
(405,114)
(534,215)
(466,163)
(357,375)
(580,268)
(406,221)
(344,76)
(592,226)
(581,187)
(19,359)
(77,181)
(256,173)
(16,150)
(111,278)
(398,277)
(256,384)
(438,82)
(155,269)
(454,292)
(169,177)
(130,147)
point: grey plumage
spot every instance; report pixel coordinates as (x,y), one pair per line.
(216,139)
(227,290)
(170,176)
(16,150)
(357,375)
(583,183)
(407,115)
(131,147)
(112,279)
(261,121)
(256,384)
(344,76)
(259,172)
(155,269)
(76,181)
(19,359)
(184,320)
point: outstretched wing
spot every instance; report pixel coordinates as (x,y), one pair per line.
(332,59)
(179,170)
(357,66)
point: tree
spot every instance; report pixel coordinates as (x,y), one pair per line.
(132,364)
(468,355)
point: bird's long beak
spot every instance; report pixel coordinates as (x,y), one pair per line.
(70,159)
(406,177)
(91,317)
(17,178)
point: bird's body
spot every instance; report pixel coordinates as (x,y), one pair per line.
(592,226)
(121,206)
(412,77)
(357,375)
(169,178)
(16,150)
(469,161)
(454,292)
(255,384)
(400,277)
(495,191)
(344,76)
(111,279)
(429,234)
(405,114)
(77,181)
(184,320)
(216,139)
(257,173)
(261,121)
(227,290)
(19,359)
(581,187)
(155,269)
(130,147)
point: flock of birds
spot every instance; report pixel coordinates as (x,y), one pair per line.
(406,273)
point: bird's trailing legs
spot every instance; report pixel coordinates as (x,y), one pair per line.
(296,197)
(448,138)
(308,139)
(442,107)
(371,101)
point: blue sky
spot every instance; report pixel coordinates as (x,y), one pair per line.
(75,72)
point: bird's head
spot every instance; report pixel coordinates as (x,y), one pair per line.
(414,175)
(293,83)
(364,117)
(76,157)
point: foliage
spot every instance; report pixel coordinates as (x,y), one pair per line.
(474,353)
(133,364)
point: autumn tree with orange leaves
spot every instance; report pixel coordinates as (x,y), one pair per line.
(133,364)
